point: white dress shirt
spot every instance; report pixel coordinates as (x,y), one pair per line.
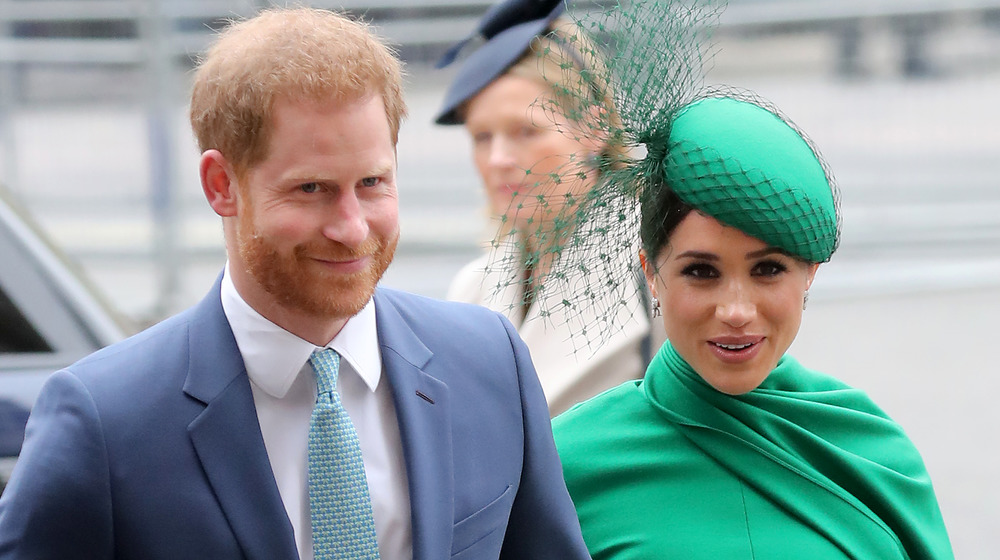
(284,393)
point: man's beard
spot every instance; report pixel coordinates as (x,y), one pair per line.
(298,282)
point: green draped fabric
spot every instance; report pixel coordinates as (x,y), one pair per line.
(802,467)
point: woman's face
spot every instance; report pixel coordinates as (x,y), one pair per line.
(731,303)
(512,133)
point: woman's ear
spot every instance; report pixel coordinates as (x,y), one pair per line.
(811,274)
(598,134)
(648,270)
(218,182)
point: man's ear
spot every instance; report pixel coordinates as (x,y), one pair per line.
(218,182)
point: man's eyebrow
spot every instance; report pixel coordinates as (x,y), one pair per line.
(381,168)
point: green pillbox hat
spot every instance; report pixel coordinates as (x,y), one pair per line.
(748,168)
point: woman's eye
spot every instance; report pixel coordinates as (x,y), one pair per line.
(700,271)
(769,268)
(369,181)
(309,187)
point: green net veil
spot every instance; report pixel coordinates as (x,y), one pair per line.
(722,151)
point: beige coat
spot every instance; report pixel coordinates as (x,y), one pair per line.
(568,375)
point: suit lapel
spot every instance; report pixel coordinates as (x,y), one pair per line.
(227,438)
(423,412)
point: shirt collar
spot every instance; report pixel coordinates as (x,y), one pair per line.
(274,357)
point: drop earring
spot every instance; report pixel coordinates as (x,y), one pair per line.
(805,300)
(656,307)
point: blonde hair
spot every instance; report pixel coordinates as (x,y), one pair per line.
(301,53)
(569,63)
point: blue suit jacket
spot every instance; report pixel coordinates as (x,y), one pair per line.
(150,449)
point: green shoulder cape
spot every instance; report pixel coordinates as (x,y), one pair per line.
(817,449)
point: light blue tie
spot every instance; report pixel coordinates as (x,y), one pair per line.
(342,524)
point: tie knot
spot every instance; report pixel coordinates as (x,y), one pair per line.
(326,363)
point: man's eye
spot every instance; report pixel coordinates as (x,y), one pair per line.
(309,187)
(369,181)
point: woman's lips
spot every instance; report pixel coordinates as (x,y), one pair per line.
(510,188)
(505,196)
(736,350)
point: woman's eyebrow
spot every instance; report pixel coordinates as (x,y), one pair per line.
(703,255)
(765,252)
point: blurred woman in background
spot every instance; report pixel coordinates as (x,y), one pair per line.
(504,94)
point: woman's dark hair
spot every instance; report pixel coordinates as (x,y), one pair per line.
(662,210)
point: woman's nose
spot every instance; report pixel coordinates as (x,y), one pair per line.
(736,308)
(501,152)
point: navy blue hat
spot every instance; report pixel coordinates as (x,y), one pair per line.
(508,28)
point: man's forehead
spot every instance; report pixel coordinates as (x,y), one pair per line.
(324,100)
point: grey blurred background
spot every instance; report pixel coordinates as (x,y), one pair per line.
(900,95)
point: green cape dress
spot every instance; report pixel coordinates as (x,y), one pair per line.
(802,467)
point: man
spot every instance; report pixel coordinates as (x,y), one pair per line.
(202,437)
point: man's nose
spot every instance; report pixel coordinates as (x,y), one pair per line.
(346,222)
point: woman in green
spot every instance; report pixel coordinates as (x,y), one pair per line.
(729,448)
